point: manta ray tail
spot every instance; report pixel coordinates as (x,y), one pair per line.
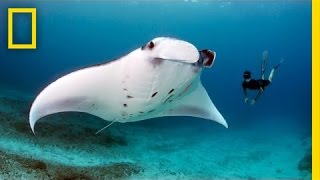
(105,127)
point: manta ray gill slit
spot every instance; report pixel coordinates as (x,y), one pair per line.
(169,99)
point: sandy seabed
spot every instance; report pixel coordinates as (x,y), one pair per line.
(66,147)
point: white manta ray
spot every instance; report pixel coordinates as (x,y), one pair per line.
(162,78)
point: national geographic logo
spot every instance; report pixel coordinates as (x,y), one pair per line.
(33,12)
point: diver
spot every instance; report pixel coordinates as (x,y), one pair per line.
(258,84)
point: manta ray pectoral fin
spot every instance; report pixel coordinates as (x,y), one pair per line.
(175,50)
(197,104)
(87,90)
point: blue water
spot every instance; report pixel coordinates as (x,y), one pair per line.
(76,34)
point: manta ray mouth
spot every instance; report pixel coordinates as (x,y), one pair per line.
(207,58)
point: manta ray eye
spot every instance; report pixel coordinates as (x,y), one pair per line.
(151,45)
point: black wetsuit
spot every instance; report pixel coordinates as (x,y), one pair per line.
(255,84)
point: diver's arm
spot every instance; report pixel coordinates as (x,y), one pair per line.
(257,96)
(245,95)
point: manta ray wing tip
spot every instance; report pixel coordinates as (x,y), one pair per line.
(32,121)
(225,124)
(222,121)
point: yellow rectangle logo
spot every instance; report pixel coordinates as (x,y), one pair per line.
(33,12)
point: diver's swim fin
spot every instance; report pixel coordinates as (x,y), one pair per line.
(264,62)
(276,66)
(274,69)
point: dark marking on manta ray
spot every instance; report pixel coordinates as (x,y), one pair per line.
(129,97)
(125,89)
(125,105)
(151,111)
(141,112)
(170,91)
(123,113)
(154,94)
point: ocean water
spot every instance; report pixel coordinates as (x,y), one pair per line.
(268,140)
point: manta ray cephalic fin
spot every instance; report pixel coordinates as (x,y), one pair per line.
(175,50)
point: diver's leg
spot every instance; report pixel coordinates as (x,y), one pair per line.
(264,63)
(274,69)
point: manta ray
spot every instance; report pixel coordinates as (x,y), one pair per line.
(161,78)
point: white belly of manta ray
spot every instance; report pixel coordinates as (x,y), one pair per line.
(159,79)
